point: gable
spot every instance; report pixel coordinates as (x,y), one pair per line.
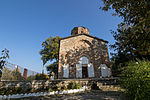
(85,35)
(80,41)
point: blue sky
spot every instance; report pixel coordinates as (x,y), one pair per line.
(25,24)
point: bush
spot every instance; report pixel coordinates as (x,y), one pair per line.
(7,91)
(73,85)
(31,77)
(63,88)
(14,75)
(42,76)
(135,79)
(50,89)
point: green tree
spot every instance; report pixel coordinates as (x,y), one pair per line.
(3,57)
(133,33)
(17,75)
(53,67)
(50,52)
(11,75)
(7,74)
(135,79)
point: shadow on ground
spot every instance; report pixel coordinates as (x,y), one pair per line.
(88,95)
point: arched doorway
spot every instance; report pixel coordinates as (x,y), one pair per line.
(84,62)
(84,69)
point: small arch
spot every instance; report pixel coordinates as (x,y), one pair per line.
(84,60)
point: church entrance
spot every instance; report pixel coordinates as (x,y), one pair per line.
(84,71)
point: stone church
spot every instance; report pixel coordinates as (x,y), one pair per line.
(82,55)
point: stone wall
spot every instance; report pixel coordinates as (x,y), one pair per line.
(103,84)
(72,49)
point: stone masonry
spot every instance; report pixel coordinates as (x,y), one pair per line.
(103,84)
(82,45)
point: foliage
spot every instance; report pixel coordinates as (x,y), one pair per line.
(73,85)
(42,76)
(14,90)
(135,79)
(63,88)
(14,75)
(50,89)
(8,91)
(50,52)
(133,34)
(31,77)
(3,57)
(19,90)
(52,67)
(7,74)
(17,74)
(57,88)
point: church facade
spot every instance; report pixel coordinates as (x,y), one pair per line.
(81,55)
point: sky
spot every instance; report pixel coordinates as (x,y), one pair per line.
(25,24)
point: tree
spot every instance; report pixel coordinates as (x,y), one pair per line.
(133,34)
(53,67)
(3,57)
(7,74)
(17,75)
(11,75)
(50,52)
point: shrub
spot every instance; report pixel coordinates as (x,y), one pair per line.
(31,77)
(3,91)
(42,76)
(7,91)
(73,85)
(63,88)
(50,89)
(135,79)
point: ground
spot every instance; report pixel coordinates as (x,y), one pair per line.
(89,95)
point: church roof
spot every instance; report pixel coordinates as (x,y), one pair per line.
(86,35)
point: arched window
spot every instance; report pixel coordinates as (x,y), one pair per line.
(84,60)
